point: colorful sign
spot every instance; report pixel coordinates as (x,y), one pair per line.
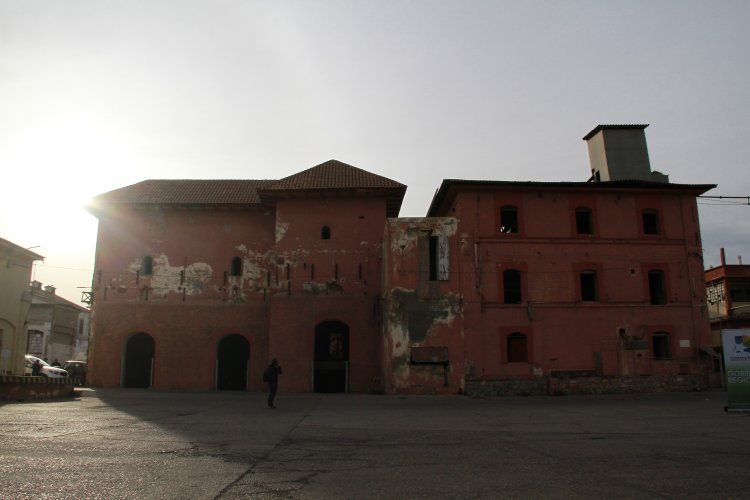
(736,344)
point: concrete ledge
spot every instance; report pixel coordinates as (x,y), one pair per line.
(23,388)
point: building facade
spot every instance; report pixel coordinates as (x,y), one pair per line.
(505,287)
(728,297)
(57,328)
(16,265)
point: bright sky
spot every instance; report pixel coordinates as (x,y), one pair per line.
(98,95)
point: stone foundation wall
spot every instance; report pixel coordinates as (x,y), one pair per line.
(30,388)
(554,386)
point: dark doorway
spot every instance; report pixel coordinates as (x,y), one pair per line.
(139,361)
(331,364)
(232,358)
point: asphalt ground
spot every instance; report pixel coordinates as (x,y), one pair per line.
(135,443)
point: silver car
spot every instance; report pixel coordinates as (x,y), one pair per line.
(47,370)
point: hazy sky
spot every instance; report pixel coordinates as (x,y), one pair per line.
(98,95)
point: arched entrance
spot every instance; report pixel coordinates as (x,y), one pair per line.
(232,362)
(138,365)
(331,365)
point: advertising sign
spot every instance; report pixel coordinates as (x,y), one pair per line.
(736,346)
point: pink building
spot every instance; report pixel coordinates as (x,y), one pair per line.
(505,287)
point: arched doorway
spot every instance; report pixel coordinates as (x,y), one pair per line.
(138,365)
(331,365)
(232,362)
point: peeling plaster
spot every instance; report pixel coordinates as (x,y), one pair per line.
(281,229)
(167,278)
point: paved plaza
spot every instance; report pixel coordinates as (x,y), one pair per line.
(133,443)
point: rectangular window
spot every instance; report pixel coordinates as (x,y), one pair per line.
(656,287)
(512,286)
(588,286)
(509,220)
(584,224)
(439,259)
(660,344)
(650,222)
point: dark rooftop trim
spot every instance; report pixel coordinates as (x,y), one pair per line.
(449,185)
(614,127)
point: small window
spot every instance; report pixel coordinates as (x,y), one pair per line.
(584,221)
(518,351)
(589,292)
(325,233)
(147,267)
(438,258)
(656,287)
(509,219)
(512,286)
(660,345)
(236,266)
(650,222)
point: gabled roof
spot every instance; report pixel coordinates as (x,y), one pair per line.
(450,187)
(335,178)
(334,174)
(332,178)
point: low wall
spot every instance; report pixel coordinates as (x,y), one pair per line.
(29,388)
(559,386)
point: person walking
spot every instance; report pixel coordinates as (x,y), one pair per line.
(271,375)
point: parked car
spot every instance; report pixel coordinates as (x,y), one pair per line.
(76,370)
(47,370)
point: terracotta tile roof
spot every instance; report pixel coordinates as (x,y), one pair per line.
(332,177)
(333,174)
(187,192)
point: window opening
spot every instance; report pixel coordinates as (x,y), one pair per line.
(584,221)
(236,266)
(588,286)
(650,222)
(147,267)
(509,219)
(512,286)
(660,344)
(517,348)
(325,233)
(657,290)
(438,258)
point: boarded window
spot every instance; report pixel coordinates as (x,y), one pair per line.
(650,222)
(147,267)
(660,344)
(517,348)
(439,258)
(584,221)
(509,219)
(656,287)
(512,286)
(325,233)
(236,266)
(589,290)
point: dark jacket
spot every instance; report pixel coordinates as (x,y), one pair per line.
(272,374)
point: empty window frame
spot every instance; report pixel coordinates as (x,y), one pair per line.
(517,348)
(584,221)
(438,258)
(508,219)
(660,345)
(589,289)
(147,266)
(650,222)
(236,269)
(325,233)
(512,286)
(657,289)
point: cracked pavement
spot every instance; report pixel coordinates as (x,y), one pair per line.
(133,443)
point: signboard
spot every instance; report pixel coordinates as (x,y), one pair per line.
(736,346)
